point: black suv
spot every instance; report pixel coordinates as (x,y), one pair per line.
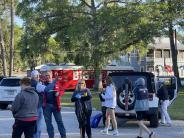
(126,97)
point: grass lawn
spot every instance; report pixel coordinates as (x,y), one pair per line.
(176,110)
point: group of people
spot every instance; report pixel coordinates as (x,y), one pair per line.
(39,100)
(141,106)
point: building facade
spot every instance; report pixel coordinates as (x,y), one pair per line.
(159,59)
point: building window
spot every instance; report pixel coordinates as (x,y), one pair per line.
(158,53)
(181,54)
(150,53)
(150,68)
(167,53)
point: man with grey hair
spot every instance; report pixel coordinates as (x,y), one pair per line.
(39,89)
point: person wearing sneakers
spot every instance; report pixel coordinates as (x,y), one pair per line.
(163,96)
(24,110)
(110,102)
(142,106)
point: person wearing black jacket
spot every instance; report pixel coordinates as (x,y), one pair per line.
(83,108)
(163,96)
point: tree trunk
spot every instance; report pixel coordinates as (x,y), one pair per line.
(95,55)
(3,53)
(12,39)
(174,54)
(98,77)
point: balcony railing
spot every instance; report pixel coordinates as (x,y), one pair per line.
(161,60)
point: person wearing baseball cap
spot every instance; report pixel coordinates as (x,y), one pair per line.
(39,90)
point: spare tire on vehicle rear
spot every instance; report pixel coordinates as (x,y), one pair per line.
(121,99)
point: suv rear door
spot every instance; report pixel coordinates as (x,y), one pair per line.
(119,78)
(9,88)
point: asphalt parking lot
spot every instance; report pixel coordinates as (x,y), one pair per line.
(128,130)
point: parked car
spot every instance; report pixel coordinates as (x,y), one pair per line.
(9,88)
(126,99)
(1,77)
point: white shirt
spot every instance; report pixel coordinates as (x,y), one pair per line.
(40,87)
(110,96)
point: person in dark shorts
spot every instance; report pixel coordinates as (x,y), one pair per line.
(142,106)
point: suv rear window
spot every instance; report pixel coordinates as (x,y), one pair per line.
(118,79)
(10,82)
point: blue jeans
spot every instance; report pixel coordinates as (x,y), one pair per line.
(48,111)
(39,123)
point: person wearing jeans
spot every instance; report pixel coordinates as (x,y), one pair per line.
(39,89)
(48,111)
(164,101)
(52,106)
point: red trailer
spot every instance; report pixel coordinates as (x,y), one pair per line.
(70,74)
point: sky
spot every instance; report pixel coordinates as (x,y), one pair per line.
(18,21)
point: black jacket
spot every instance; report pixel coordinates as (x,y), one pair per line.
(162,93)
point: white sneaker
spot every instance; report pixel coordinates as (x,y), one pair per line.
(169,125)
(115,133)
(105,131)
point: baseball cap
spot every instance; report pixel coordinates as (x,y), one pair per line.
(44,68)
(34,73)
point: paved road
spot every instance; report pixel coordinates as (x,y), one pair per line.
(129,130)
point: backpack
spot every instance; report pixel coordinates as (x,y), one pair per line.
(95,120)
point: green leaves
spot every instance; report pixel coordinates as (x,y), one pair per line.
(102,32)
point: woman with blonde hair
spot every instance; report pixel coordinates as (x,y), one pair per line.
(83,108)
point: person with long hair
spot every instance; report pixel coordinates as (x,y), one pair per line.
(83,107)
(142,106)
(110,102)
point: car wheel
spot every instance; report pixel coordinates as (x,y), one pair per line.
(121,99)
(154,121)
(3,106)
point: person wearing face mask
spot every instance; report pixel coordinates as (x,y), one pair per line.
(24,110)
(83,108)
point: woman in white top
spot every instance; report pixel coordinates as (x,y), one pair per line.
(110,102)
